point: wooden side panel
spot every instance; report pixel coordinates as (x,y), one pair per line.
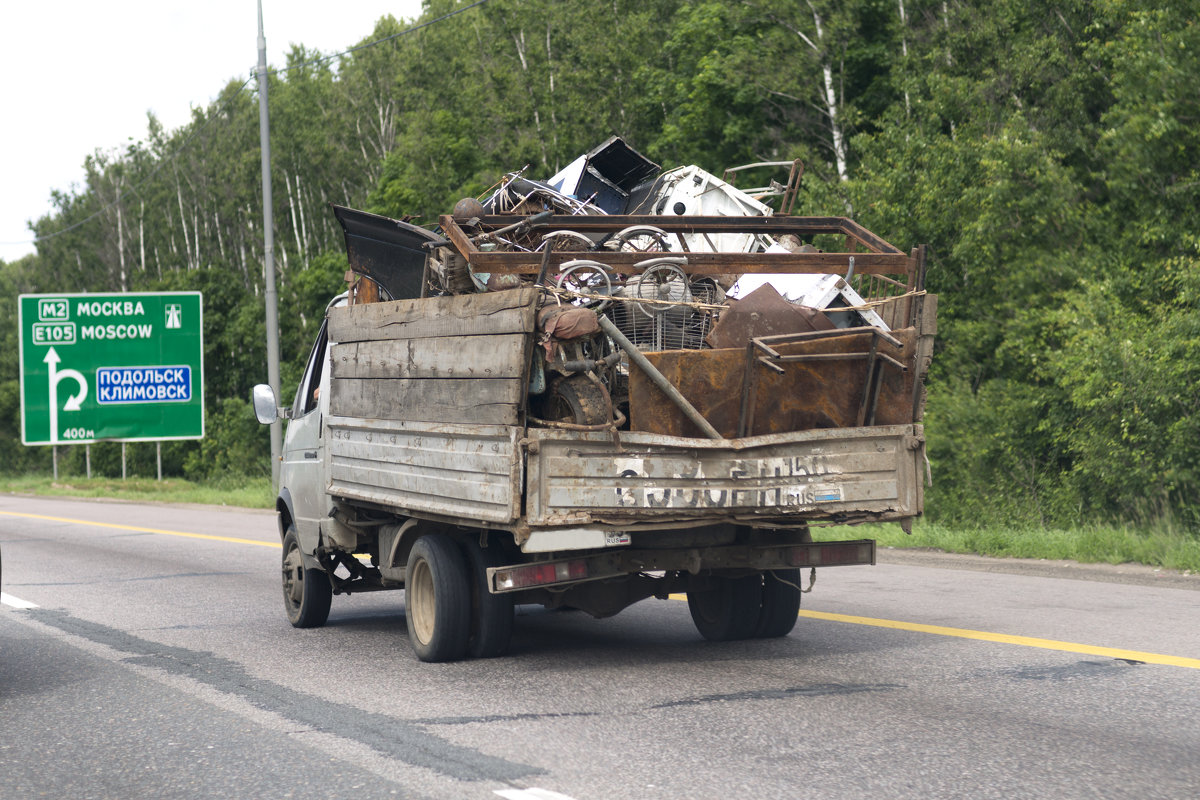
(490,402)
(462,359)
(458,315)
(485,357)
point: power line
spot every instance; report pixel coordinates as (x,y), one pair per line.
(228,102)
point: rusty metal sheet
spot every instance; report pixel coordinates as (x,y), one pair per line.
(826,393)
(763,312)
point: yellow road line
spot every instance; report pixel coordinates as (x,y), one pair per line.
(1006,638)
(137,529)
(1001,638)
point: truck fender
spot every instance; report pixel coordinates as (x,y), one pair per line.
(402,537)
(286,511)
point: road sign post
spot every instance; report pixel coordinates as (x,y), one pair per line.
(126,367)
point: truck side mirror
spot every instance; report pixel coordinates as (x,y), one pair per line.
(266,406)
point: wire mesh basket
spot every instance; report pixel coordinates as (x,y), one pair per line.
(666,312)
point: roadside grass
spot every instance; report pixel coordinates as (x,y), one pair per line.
(1160,545)
(238,491)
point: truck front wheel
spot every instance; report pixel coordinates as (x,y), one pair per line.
(307,593)
(728,610)
(437,599)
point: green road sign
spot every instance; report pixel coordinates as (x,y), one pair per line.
(111,366)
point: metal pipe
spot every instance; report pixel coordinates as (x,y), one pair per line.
(270,296)
(658,379)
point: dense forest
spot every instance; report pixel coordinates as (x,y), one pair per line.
(1048,152)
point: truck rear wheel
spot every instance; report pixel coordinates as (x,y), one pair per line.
(307,593)
(491,614)
(437,599)
(729,610)
(780,603)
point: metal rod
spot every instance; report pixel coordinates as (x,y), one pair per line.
(868,381)
(787,338)
(837,357)
(875,398)
(658,379)
(749,393)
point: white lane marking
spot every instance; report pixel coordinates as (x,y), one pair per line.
(531,794)
(15,602)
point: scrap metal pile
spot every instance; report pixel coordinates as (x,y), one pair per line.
(672,301)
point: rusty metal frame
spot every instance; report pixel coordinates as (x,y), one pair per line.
(772,359)
(793,185)
(880,257)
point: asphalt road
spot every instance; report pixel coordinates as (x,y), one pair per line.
(144,653)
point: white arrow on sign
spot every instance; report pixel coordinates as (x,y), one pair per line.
(74,402)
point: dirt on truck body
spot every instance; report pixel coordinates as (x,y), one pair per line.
(585,403)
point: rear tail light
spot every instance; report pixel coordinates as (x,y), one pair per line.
(540,574)
(832,554)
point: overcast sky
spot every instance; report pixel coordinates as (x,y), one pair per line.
(81,76)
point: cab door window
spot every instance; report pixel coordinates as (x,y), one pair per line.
(307,393)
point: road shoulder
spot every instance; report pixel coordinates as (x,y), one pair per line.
(1135,574)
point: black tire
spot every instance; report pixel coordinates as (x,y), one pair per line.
(576,399)
(728,610)
(780,603)
(437,599)
(491,614)
(307,593)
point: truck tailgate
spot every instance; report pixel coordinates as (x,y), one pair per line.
(843,474)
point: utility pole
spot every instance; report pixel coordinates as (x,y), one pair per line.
(272,301)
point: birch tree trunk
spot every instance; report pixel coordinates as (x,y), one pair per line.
(904,56)
(519,41)
(292,208)
(826,90)
(142,234)
(831,98)
(124,284)
(187,246)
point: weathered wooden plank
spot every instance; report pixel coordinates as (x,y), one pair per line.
(496,356)
(489,402)
(459,315)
